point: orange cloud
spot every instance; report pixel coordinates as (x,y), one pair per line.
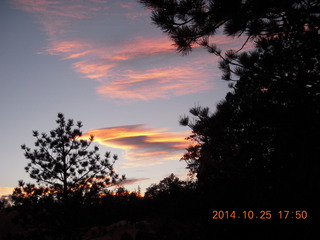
(143,146)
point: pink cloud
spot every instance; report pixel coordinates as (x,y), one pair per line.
(56,16)
(128,5)
(143,146)
(99,1)
(109,66)
(93,70)
(135,68)
(70,9)
(68,49)
(155,83)
(145,46)
(138,46)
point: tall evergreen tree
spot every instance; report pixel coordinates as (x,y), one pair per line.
(63,164)
(260,146)
(262,141)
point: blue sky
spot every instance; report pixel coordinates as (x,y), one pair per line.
(102,62)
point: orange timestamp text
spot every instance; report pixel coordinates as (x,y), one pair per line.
(260,215)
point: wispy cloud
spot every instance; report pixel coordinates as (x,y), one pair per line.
(133,181)
(113,68)
(56,17)
(128,64)
(154,83)
(143,146)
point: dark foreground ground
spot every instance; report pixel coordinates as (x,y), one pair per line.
(162,228)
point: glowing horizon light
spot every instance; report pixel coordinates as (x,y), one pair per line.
(5,191)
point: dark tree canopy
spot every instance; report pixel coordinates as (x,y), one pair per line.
(262,139)
(192,22)
(62,163)
(170,185)
(260,145)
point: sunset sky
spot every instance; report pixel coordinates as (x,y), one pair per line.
(104,63)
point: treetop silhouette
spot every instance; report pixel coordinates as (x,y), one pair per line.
(65,163)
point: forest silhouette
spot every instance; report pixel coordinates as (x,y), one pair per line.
(254,161)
